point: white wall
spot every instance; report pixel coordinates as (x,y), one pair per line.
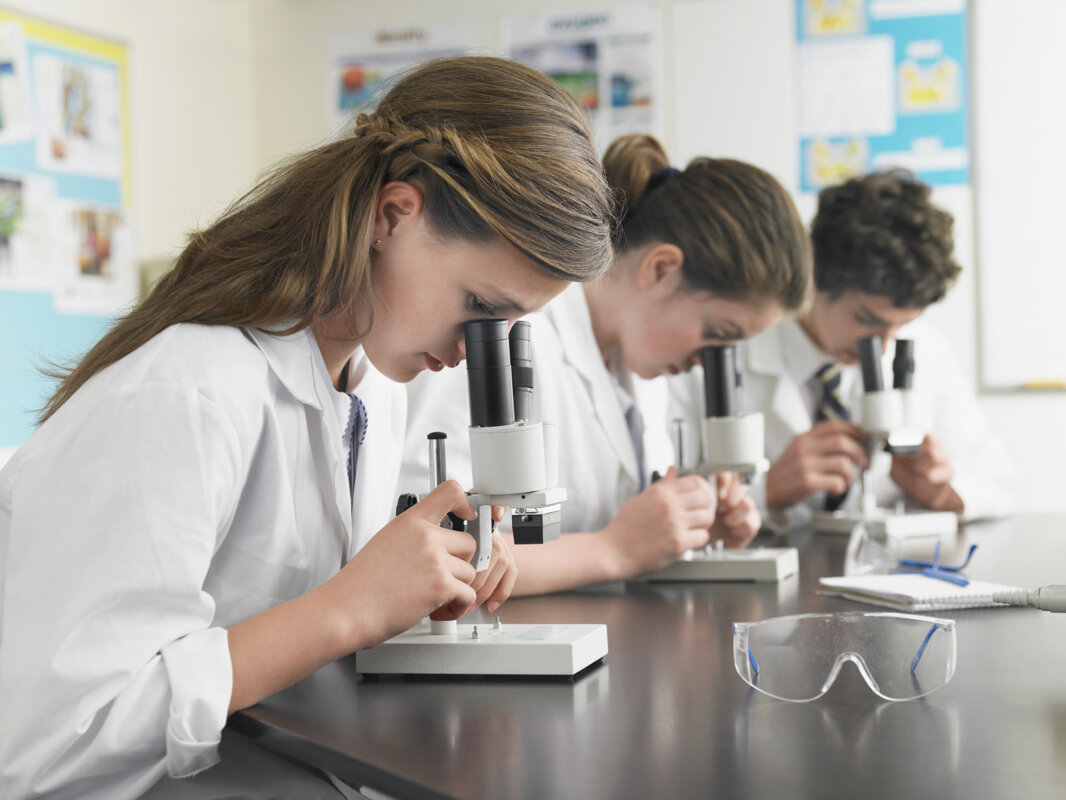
(222,88)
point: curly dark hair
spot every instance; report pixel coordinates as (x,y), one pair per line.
(880,234)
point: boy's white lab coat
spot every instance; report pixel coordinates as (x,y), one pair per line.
(948,410)
(197,482)
(572,389)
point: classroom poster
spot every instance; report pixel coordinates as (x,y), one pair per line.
(883,83)
(66,255)
(365,63)
(608,60)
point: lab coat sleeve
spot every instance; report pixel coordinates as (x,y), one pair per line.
(111,671)
(985,477)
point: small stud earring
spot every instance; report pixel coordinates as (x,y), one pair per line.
(377,243)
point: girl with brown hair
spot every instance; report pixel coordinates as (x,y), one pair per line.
(711,254)
(200,519)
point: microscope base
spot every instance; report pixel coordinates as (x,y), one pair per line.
(882,523)
(761,565)
(535,650)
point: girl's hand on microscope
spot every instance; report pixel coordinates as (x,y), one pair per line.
(824,459)
(494,585)
(407,569)
(653,528)
(737,520)
(926,477)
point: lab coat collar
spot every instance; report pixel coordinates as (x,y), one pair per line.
(570,315)
(297,362)
(765,357)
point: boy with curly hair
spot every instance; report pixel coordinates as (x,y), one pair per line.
(882,255)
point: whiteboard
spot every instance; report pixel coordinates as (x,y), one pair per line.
(1019,125)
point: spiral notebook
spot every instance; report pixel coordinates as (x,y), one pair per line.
(912,591)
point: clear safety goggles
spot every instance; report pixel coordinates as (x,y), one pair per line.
(797,658)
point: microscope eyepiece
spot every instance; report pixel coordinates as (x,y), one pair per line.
(488,372)
(903,364)
(870,359)
(719,380)
(522,368)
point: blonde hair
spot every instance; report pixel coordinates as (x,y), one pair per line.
(497,149)
(737,227)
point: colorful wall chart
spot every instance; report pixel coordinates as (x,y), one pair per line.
(883,83)
(608,60)
(366,62)
(66,260)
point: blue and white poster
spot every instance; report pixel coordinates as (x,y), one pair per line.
(883,83)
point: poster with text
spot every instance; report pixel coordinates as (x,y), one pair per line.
(607,60)
(364,63)
(883,83)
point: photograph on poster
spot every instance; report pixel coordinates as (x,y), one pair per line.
(606,60)
(15,116)
(78,110)
(365,63)
(95,228)
(28,233)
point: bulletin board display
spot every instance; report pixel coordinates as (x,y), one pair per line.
(66,261)
(883,83)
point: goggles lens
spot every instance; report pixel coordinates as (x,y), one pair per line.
(797,658)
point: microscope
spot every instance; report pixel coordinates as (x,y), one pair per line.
(514,462)
(729,441)
(888,417)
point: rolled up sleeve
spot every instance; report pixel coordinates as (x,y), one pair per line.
(112,672)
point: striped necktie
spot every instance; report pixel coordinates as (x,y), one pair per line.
(829,407)
(354,434)
(635,425)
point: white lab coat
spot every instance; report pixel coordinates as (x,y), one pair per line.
(197,482)
(984,477)
(572,389)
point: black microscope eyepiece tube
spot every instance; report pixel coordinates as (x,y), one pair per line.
(488,372)
(522,368)
(870,359)
(903,364)
(719,380)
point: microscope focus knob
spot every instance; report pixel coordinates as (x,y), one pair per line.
(406,500)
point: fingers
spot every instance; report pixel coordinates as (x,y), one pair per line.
(699,518)
(464,601)
(503,589)
(459,544)
(731,489)
(838,466)
(689,491)
(835,427)
(842,444)
(449,496)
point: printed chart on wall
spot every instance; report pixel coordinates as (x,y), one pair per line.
(366,62)
(607,60)
(66,264)
(883,83)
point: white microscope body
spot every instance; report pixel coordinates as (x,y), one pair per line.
(730,441)
(887,416)
(514,461)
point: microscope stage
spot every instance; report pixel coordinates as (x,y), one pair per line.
(884,522)
(536,650)
(760,564)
